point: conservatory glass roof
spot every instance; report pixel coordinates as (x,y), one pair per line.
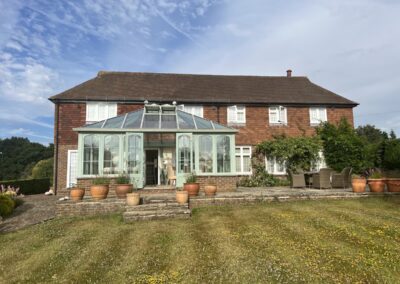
(158,118)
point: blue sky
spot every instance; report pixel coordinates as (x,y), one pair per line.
(350,47)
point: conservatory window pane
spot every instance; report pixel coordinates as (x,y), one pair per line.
(91,155)
(223,154)
(134,148)
(205,154)
(134,119)
(111,154)
(185,120)
(168,121)
(184,162)
(202,123)
(115,122)
(151,121)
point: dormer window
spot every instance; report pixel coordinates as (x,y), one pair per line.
(277,115)
(97,111)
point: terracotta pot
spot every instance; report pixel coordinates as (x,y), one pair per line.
(358,184)
(192,188)
(76,193)
(99,191)
(122,189)
(376,184)
(210,190)
(133,198)
(182,197)
(393,184)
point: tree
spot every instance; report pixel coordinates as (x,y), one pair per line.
(43,169)
(371,133)
(343,147)
(18,153)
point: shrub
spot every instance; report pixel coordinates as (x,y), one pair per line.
(18,202)
(7,205)
(123,179)
(192,178)
(43,169)
(295,152)
(343,147)
(260,178)
(29,186)
(391,157)
(100,181)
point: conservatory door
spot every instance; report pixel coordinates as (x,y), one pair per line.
(184,157)
(134,158)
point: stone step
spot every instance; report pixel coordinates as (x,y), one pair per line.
(155,206)
(156,214)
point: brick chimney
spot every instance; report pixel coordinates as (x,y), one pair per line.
(288,73)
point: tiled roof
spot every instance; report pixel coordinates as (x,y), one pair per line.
(185,88)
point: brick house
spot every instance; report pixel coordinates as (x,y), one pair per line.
(141,123)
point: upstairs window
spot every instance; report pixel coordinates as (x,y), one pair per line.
(236,114)
(195,110)
(317,115)
(97,111)
(277,115)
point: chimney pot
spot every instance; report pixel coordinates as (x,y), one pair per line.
(289,73)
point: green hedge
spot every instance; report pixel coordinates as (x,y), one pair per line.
(29,186)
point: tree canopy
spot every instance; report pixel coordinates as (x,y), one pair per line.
(19,155)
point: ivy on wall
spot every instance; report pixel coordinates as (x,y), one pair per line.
(295,152)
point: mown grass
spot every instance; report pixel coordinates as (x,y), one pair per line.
(344,241)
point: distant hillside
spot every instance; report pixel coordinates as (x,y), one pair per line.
(19,155)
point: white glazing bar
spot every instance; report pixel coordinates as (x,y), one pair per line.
(123,123)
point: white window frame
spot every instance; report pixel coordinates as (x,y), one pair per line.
(110,108)
(321,163)
(70,152)
(320,117)
(232,114)
(281,113)
(190,109)
(275,167)
(241,155)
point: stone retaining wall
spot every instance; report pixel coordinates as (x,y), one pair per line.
(202,201)
(89,207)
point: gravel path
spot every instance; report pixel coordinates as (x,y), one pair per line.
(36,209)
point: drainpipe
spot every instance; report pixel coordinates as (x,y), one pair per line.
(55,179)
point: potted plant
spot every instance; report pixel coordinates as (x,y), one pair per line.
(123,186)
(393,184)
(76,193)
(182,196)
(376,183)
(191,186)
(358,183)
(99,188)
(210,188)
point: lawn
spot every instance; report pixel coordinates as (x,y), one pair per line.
(305,241)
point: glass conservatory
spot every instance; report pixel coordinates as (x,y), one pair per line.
(158,144)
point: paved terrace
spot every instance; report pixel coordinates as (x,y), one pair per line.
(39,208)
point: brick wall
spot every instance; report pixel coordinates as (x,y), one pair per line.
(256,129)
(87,182)
(223,183)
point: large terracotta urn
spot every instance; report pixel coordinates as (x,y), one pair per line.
(122,189)
(393,184)
(376,185)
(358,184)
(133,198)
(192,188)
(76,193)
(182,196)
(210,189)
(99,191)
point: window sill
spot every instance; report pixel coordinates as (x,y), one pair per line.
(278,124)
(237,124)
